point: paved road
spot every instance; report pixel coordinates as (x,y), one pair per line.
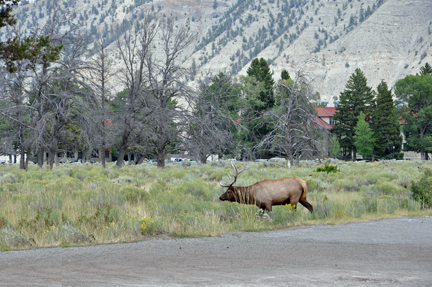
(391,252)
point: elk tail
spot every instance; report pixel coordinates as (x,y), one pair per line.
(304,189)
(303,200)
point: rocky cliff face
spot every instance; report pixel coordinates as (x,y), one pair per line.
(328,39)
(391,43)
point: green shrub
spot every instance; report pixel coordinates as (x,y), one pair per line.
(283,214)
(385,187)
(369,178)
(386,176)
(133,194)
(199,189)
(370,204)
(313,186)
(71,183)
(217,175)
(422,189)
(8,178)
(105,214)
(328,168)
(323,210)
(178,173)
(84,195)
(147,225)
(123,179)
(387,204)
(404,180)
(157,188)
(10,187)
(346,184)
(24,198)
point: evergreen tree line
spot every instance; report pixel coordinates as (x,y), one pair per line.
(370,122)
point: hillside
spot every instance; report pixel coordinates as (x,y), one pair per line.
(328,39)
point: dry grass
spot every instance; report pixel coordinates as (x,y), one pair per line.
(84,204)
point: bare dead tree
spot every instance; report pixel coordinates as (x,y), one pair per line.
(296,131)
(31,58)
(97,115)
(209,130)
(168,90)
(133,105)
(15,115)
(54,91)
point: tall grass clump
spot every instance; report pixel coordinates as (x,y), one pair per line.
(422,189)
(75,205)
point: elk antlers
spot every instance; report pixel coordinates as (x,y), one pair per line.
(234,178)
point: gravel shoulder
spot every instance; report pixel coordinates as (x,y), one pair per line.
(390,252)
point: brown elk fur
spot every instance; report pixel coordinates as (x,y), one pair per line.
(268,192)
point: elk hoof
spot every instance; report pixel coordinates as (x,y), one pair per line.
(260,213)
(267,217)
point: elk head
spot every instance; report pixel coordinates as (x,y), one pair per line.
(232,194)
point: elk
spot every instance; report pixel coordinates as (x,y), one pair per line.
(268,192)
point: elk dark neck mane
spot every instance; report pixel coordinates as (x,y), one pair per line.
(247,194)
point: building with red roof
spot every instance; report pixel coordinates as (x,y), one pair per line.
(325,116)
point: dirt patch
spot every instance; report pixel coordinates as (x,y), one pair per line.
(391,252)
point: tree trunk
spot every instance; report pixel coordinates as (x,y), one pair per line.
(22,151)
(297,161)
(161,157)
(14,156)
(120,159)
(51,159)
(10,158)
(22,159)
(203,159)
(140,159)
(102,156)
(27,159)
(88,155)
(41,153)
(56,159)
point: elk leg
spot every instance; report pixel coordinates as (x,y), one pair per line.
(268,207)
(306,204)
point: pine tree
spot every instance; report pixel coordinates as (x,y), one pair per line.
(285,75)
(363,136)
(261,71)
(426,70)
(335,148)
(357,97)
(385,124)
(37,50)
(417,91)
(5,12)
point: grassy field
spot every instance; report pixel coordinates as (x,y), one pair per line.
(85,204)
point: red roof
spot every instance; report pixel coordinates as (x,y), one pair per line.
(325,111)
(323,123)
